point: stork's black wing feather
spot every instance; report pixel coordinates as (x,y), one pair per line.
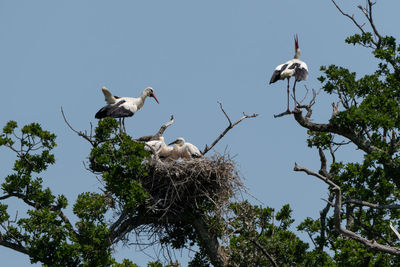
(277,74)
(301,74)
(115,111)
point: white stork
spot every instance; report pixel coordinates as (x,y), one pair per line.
(121,107)
(184,150)
(159,147)
(294,67)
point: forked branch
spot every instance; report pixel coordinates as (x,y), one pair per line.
(230,126)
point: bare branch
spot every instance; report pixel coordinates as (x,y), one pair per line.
(287,112)
(350,17)
(230,126)
(92,142)
(394,230)
(227,117)
(372,205)
(158,134)
(299,168)
(14,246)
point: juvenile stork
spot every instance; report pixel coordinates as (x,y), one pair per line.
(294,67)
(122,107)
(184,150)
(159,147)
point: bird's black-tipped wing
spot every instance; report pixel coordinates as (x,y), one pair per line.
(277,73)
(115,111)
(301,72)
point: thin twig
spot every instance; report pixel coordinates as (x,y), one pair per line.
(92,142)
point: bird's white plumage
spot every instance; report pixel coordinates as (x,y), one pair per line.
(108,97)
(290,69)
(184,150)
(159,147)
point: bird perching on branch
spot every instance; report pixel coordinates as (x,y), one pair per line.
(122,107)
(294,67)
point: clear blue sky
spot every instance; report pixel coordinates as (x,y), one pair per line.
(193,54)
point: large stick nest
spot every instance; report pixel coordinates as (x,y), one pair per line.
(177,186)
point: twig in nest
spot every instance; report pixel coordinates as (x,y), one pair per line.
(230,126)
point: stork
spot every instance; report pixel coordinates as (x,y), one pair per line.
(294,67)
(122,107)
(159,147)
(184,150)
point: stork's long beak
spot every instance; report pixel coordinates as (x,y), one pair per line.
(296,42)
(173,143)
(154,96)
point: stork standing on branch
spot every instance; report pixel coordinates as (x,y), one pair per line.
(122,107)
(294,67)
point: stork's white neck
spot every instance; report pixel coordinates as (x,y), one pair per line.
(297,54)
(141,100)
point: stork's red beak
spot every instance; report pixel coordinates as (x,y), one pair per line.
(296,42)
(154,96)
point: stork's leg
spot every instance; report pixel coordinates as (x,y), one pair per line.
(120,124)
(288,95)
(123,123)
(294,94)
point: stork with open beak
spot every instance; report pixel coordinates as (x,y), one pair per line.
(122,107)
(294,67)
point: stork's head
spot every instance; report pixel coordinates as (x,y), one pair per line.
(296,46)
(179,142)
(150,92)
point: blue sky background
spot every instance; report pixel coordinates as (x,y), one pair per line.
(193,54)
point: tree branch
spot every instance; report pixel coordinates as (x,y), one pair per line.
(90,140)
(269,256)
(350,17)
(230,126)
(372,244)
(394,230)
(13,246)
(158,134)
(210,243)
(371,205)
(322,219)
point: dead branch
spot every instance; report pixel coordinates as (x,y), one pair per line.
(287,112)
(230,126)
(394,230)
(84,135)
(158,134)
(350,17)
(371,205)
(298,168)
